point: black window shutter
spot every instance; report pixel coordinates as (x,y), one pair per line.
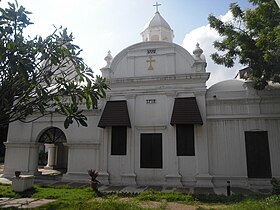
(151,150)
(118,143)
(257,154)
(157,151)
(185,140)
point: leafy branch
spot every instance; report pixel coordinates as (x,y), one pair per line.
(39,76)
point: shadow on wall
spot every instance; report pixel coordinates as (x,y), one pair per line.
(3,138)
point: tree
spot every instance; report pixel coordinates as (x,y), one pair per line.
(253,37)
(40,76)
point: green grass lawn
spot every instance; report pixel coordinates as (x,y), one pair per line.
(85,198)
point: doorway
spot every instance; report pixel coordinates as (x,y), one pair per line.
(56,154)
(151,150)
(257,154)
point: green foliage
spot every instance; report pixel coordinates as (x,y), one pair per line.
(275,186)
(84,198)
(273,200)
(39,76)
(114,203)
(213,198)
(252,203)
(6,191)
(43,157)
(93,174)
(66,197)
(172,196)
(253,37)
(63,193)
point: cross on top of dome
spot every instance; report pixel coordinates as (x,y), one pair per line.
(157,29)
(157,5)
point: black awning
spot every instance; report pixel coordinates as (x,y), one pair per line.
(186,111)
(115,113)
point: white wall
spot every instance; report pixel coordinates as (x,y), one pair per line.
(229,115)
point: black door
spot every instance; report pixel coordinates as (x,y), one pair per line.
(257,153)
(151,150)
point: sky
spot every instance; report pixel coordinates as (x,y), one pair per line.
(102,25)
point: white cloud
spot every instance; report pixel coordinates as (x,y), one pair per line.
(205,36)
(227,17)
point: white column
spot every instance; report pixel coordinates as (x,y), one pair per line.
(51,156)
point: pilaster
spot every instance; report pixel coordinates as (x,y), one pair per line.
(203,178)
(129,177)
(103,176)
(172,178)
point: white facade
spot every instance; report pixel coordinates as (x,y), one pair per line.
(233,108)
(149,76)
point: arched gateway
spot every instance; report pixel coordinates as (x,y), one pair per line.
(53,139)
(23,148)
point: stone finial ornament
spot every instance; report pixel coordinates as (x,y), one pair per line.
(108,59)
(197,52)
(200,60)
(106,71)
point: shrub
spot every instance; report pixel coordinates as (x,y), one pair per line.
(43,158)
(275,186)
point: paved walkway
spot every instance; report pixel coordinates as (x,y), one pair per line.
(25,203)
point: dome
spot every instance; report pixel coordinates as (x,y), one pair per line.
(157,29)
(227,89)
(227,85)
(157,21)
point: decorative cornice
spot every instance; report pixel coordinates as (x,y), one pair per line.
(239,100)
(21,145)
(160,78)
(151,127)
(243,116)
(82,145)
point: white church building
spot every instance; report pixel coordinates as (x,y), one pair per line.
(160,125)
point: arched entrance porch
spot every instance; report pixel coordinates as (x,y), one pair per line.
(52,142)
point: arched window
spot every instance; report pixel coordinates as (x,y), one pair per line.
(53,135)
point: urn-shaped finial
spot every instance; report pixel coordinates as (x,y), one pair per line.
(197,51)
